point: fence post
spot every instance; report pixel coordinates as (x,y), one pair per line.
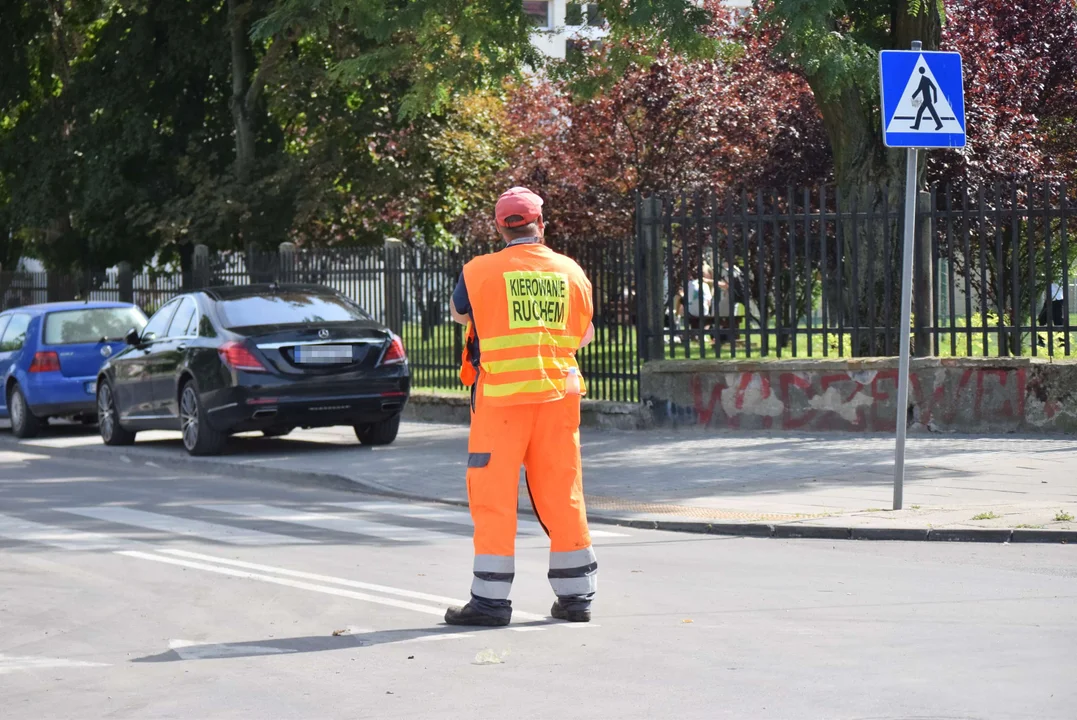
(125,281)
(923,310)
(649,301)
(286,261)
(201,266)
(394,297)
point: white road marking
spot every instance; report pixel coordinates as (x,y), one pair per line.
(189,650)
(13,456)
(28,531)
(456,517)
(385,589)
(184,526)
(448,515)
(339,592)
(436,637)
(336,523)
(15,663)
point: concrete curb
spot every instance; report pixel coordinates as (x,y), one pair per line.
(332,481)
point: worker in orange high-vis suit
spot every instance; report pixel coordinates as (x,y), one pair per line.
(528,310)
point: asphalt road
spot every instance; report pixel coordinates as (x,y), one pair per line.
(142,592)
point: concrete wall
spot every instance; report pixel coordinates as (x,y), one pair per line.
(453,408)
(945,395)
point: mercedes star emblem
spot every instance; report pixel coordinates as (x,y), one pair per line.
(323,334)
(106,351)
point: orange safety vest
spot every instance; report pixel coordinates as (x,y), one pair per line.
(531,308)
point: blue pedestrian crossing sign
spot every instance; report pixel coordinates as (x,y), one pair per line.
(923,102)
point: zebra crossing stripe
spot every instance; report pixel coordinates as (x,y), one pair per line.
(420,512)
(15,663)
(335,523)
(21,530)
(184,526)
(449,515)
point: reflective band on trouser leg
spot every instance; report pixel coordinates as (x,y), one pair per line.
(493,581)
(574,575)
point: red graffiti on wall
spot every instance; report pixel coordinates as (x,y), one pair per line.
(854,401)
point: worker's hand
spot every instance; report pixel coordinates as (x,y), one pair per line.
(588,336)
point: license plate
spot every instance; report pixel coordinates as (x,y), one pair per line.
(323,354)
(91,388)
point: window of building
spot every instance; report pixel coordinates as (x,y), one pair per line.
(595,18)
(574,48)
(590,14)
(538,13)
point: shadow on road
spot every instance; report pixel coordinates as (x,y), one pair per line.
(311,644)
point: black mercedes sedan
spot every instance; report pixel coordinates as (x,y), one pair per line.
(268,358)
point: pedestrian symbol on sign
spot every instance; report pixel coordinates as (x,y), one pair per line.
(929,95)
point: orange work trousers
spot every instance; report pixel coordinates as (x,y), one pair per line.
(545,439)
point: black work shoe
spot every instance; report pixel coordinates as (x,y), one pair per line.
(468,615)
(561,613)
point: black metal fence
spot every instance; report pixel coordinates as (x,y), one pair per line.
(809,273)
(406,287)
(804,273)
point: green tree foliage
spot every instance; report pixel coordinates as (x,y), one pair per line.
(132,127)
(713,123)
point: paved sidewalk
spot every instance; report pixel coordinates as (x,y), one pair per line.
(812,482)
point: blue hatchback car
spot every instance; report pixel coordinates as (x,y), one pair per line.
(50,356)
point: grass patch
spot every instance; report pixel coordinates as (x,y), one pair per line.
(1063,516)
(1026,526)
(986,516)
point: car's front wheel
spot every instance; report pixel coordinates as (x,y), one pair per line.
(198,436)
(108,418)
(379,433)
(24,424)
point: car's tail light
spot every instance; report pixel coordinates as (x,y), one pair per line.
(238,357)
(44,362)
(395,354)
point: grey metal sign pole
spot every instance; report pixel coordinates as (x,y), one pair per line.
(936,78)
(906,322)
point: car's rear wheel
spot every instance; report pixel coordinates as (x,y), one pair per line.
(277,431)
(108,418)
(24,424)
(198,436)
(379,433)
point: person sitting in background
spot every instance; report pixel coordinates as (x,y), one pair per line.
(699,302)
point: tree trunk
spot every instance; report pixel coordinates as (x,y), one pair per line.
(870,180)
(241,112)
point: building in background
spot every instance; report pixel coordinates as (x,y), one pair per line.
(562,26)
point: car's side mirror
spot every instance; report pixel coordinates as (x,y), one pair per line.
(132,338)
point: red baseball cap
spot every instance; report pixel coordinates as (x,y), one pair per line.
(517,207)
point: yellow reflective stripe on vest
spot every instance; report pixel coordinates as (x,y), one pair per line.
(507,342)
(519,388)
(529,363)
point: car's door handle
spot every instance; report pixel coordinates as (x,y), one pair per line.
(181,346)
